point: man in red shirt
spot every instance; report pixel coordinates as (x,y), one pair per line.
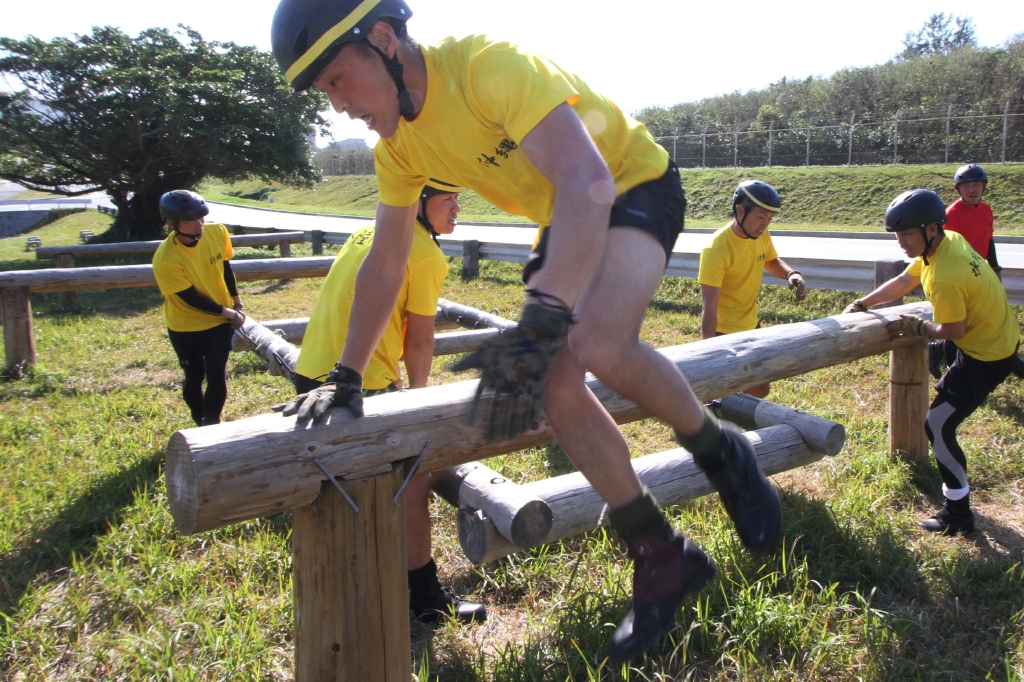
(972,218)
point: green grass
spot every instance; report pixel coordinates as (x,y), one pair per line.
(96,583)
(820,198)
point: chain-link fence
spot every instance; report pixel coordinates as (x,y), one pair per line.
(346,162)
(906,137)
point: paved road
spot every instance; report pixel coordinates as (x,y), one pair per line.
(856,250)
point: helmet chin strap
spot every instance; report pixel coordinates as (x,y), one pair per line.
(195,239)
(927,245)
(395,70)
(746,212)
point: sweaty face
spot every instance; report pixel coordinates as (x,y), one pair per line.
(971,192)
(357,83)
(442,210)
(755,220)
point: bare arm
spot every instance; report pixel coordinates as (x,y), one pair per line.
(898,286)
(778,268)
(950,330)
(561,149)
(378,283)
(709,312)
(418,350)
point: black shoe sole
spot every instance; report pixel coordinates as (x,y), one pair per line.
(617,655)
(947,531)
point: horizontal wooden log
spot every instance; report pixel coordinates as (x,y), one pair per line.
(821,435)
(279,354)
(262,465)
(129,276)
(671,475)
(137,248)
(471,318)
(520,518)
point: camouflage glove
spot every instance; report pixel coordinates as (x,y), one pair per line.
(908,325)
(513,369)
(856,307)
(797,283)
(344,388)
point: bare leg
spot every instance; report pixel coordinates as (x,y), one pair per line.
(415,499)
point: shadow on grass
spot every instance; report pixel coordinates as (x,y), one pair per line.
(118,303)
(1005,405)
(76,529)
(688,306)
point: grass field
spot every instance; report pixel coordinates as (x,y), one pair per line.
(813,198)
(96,583)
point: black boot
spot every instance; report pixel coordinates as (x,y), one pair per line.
(748,497)
(667,568)
(431,601)
(955,518)
(210,421)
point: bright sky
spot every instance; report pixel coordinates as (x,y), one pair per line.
(636,52)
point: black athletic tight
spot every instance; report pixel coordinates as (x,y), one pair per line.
(208,406)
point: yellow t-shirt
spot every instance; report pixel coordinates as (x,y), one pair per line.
(736,265)
(482,99)
(961,286)
(328,324)
(178,267)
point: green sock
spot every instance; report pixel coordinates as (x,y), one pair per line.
(703,445)
(640,517)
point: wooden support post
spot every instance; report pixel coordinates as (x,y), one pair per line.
(318,242)
(471,258)
(351,587)
(19,346)
(68,299)
(884,271)
(286,249)
(908,402)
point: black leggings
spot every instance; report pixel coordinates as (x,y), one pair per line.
(962,390)
(202,355)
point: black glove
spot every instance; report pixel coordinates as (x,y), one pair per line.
(514,366)
(237,320)
(856,307)
(344,388)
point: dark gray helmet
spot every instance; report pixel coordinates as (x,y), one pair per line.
(307,34)
(181,204)
(757,193)
(972,172)
(917,208)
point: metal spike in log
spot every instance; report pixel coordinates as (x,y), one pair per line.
(672,476)
(263,465)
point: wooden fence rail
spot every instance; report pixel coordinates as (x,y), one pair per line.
(282,240)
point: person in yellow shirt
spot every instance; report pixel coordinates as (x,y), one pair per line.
(202,307)
(409,335)
(731,266)
(534,140)
(969,307)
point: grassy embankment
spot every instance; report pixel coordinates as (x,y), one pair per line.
(814,198)
(97,583)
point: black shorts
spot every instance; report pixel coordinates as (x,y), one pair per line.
(968,381)
(304,384)
(656,207)
(191,347)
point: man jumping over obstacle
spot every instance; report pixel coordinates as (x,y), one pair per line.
(534,140)
(731,266)
(202,307)
(971,309)
(409,335)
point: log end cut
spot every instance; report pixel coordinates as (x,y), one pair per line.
(835,439)
(531,524)
(179,472)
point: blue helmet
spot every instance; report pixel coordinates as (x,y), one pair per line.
(917,208)
(181,204)
(972,172)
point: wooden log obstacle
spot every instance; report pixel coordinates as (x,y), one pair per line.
(497,518)
(283,240)
(263,465)
(16,285)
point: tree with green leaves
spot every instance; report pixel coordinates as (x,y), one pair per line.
(137,117)
(939,35)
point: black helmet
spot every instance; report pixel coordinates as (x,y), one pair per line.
(181,204)
(752,193)
(307,34)
(972,172)
(917,208)
(433,188)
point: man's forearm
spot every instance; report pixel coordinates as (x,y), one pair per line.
(778,268)
(896,287)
